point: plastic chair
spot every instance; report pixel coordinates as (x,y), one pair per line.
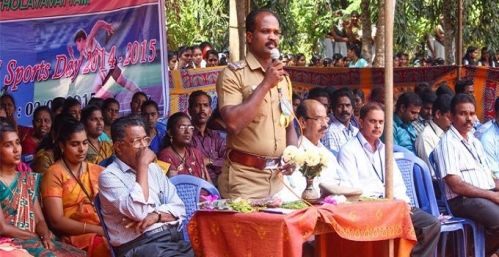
(419,186)
(98,208)
(477,229)
(189,190)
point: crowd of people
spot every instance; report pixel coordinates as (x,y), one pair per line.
(50,173)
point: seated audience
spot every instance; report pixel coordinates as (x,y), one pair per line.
(465,86)
(444,88)
(341,127)
(360,100)
(138,99)
(42,122)
(490,141)
(8,103)
(97,101)
(428,97)
(155,130)
(320,94)
(21,217)
(184,158)
(211,58)
(98,150)
(406,111)
(313,119)
(68,190)
(139,205)
(363,162)
(56,105)
(207,141)
(110,112)
(377,95)
(72,107)
(471,188)
(431,134)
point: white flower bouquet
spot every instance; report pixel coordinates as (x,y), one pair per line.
(310,162)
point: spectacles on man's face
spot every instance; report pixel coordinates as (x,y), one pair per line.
(185,127)
(318,118)
(140,142)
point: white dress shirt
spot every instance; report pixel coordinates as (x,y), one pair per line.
(122,197)
(427,141)
(365,168)
(297,182)
(464,158)
(490,143)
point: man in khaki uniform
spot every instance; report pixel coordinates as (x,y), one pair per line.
(253,97)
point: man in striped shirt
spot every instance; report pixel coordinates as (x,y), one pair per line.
(471,189)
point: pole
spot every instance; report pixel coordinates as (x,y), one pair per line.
(389,16)
(459,38)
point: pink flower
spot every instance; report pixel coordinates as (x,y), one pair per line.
(330,200)
(209,198)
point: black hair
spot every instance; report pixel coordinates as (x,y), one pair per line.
(377,94)
(298,56)
(496,105)
(171,125)
(212,52)
(196,47)
(341,93)
(6,126)
(337,57)
(9,96)
(296,96)
(40,109)
(467,56)
(139,93)
(460,99)
(194,95)
(86,113)
(444,89)
(171,54)
(356,49)
(420,87)
(204,44)
(181,50)
(442,104)
(71,126)
(407,99)
(370,106)
(302,111)
(317,92)
(96,101)
(119,125)
(149,103)
(428,96)
(80,34)
(107,103)
(358,92)
(48,142)
(57,103)
(251,18)
(462,84)
(68,103)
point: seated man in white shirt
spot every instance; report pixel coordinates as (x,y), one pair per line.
(471,189)
(363,161)
(430,136)
(140,206)
(313,119)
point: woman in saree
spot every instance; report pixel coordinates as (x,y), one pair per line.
(21,218)
(44,156)
(68,191)
(98,150)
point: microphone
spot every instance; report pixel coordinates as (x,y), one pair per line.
(274,54)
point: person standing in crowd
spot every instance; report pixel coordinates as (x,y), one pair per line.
(255,102)
(185,58)
(207,141)
(72,107)
(341,128)
(354,55)
(406,111)
(137,100)
(300,60)
(362,160)
(42,122)
(360,100)
(465,86)
(471,57)
(110,112)
(68,190)
(21,217)
(430,136)
(403,59)
(172,60)
(139,204)
(98,150)
(490,141)
(428,97)
(197,58)
(184,158)
(155,130)
(211,58)
(472,191)
(486,58)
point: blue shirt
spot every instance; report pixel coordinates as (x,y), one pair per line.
(157,141)
(404,134)
(360,63)
(490,142)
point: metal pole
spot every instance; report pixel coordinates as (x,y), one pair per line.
(389,16)
(459,38)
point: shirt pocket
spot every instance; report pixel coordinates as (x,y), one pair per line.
(261,109)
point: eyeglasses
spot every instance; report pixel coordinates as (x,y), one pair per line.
(140,142)
(319,118)
(186,127)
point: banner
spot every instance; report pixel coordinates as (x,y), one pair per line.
(60,48)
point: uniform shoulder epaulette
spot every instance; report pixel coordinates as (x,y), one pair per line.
(236,65)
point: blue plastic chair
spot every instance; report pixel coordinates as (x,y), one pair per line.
(98,208)
(477,229)
(189,190)
(419,186)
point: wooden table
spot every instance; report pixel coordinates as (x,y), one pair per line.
(358,229)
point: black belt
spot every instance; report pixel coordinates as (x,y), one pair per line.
(148,234)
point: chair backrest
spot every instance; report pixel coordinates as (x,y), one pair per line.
(98,208)
(400,149)
(440,185)
(189,190)
(418,181)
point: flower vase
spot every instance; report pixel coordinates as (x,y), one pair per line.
(310,194)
